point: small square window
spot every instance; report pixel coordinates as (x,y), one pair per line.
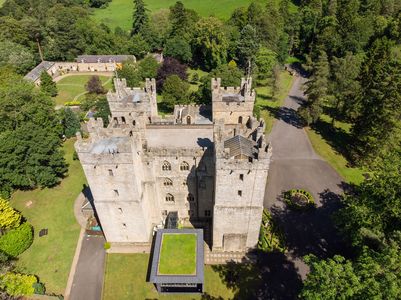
(116,193)
(240,193)
(111,172)
(207,213)
(241,177)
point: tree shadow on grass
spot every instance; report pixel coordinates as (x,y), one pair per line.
(312,231)
(272,277)
(337,138)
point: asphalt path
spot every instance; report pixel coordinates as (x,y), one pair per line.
(88,279)
(296,165)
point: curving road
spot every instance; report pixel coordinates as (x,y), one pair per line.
(296,165)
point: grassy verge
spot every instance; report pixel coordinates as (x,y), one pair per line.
(264,99)
(125,278)
(72,86)
(330,143)
(50,256)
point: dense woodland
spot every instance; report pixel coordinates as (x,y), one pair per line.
(350,49)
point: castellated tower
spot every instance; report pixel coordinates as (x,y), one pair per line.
(110,159)
(241,172)
(233,104)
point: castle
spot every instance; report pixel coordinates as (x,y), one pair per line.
(205,166)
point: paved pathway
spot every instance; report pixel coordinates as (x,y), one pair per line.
(296,165)
(87,270)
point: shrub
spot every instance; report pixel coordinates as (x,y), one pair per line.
(107,246)
(17,284)
(9,217)
(39,288)
(17,240)
(72,103)
(271,237)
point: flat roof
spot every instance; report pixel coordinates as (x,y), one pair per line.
(180,246)
(175,136)
(109,145)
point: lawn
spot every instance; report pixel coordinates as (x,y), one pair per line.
(125,279)
(50,256)
(119,12)
(330,143)
(177,254)
(267,103)
(73,86)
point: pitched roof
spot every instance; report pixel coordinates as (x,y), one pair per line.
(103,58)
(240,145)
(34,74)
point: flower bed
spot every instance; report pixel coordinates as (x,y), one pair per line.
(299,199)
(270,237)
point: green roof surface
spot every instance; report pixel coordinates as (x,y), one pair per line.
(178,254)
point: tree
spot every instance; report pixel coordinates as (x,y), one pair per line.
(30,140)
(182,20)
(140,17)
(94,85)
(179,48)
(333,278)
(47,85)
(373,212)
(147,67)
(139,46)
(175,91)
(70,122)
(9,217)
(345,86)
(265,61)
(316,89)
(17,56)
(170,66)
(247,45)
(130,73)
(102,110)
(377,128)
(16,284)
(209,43)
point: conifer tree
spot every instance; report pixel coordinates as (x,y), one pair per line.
(316,89)
(377,128)
(140,17)
(47,84)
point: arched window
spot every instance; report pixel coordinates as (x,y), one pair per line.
(167,182)
(169,198)
(188,120)
(240,120)
(184,166)
(123,120)
(166,166)
(134,122)
(190,197)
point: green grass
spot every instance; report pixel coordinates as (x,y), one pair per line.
(330,143)
(195,86)
(125,279)
(177,254)
(265,101)
(119,12)
(71,86)
(50,256)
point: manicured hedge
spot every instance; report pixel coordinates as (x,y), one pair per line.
(291,194)
(17,240)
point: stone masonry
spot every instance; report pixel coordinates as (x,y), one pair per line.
(205,165)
